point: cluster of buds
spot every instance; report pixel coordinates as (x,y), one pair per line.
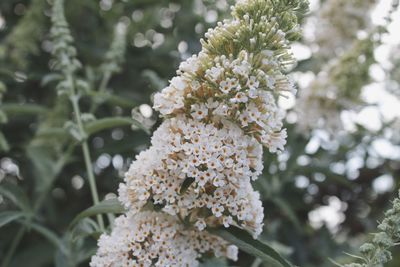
(377,252)
(220,110)
(239,73)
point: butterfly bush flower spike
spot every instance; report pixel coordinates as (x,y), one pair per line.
(219,112)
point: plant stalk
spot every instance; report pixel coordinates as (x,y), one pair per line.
(85,148)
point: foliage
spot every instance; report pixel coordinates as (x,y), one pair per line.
(66,132)
(378,252)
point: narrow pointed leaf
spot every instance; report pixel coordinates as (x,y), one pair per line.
(3,117)
(9,216)
(4,146)
(106,206)
(107,123)
(16,109)
(50,236)
(16,195)
(247,243)
(85,227)
(185,185)
(49,78)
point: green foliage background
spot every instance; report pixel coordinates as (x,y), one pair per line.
(43,198)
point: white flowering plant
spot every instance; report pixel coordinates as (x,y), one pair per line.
(249,155)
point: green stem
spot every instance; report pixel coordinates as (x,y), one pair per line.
(92,181)
(85,148)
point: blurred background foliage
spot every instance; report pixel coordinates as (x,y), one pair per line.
(322,196)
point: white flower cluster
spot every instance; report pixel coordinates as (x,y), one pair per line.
(220,109)
(156,239)
(242,89)
(337,25)
(197,171)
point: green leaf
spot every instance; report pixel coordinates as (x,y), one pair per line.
(45,167)
(54,132)
(247,243)
(3,117)
(52,77)
(15,194)
(3,143)
(15,109)
(107,123)
(3,88)
(84,228)
(185,185)
(49,235)
(92,127)
(9,216)
(105,206)
(61,259)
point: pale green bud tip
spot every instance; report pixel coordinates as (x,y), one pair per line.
(367,248)
(382,239)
